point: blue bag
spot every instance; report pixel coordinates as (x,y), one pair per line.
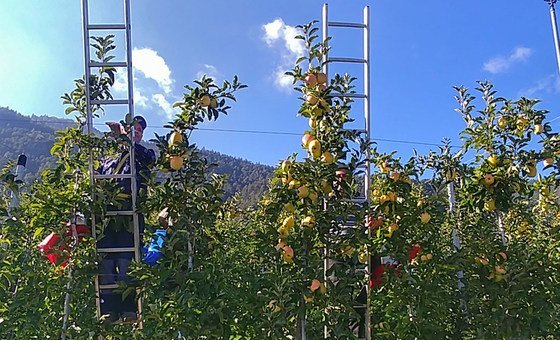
(152,252)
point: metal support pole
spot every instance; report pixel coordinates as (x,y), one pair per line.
(20,168)
(367,181)
(455,232)
(325,69)
(554,31)
(325,37)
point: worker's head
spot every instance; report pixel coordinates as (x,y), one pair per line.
(139,127)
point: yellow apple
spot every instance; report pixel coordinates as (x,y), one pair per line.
(213,103)
(287,258)
(522,123)
(500,269)
(317,112)
(308,221)
(282,232)
(538,129)
(288,251)
(384,167)
(493,160)
(323,288)
(306,139)
(293,184)
(310,79)
(288,222)
(289,207)
(531,169)
(502,122)
(321,78)
(327,157)
(175,138)
(490,205)
(423,258)
(176,162)
(429,256)
(395,175)
(312,99)
(362,257)
(286,165)
(425,218)
(313,196)
(314,148)
(312,123)
(303,192)
(205,100)
(489,179)
(326,187)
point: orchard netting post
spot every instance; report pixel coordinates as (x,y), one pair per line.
(20,168)
(67,298)
(554,30)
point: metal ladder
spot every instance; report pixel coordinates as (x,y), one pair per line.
(365,95)
(89,64)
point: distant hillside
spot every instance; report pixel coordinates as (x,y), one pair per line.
(34,135)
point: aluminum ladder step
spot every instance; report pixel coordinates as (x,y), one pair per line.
(108,64)
(348,95)
(116,250)
(345,24)
(106,26)
(346,60)
(120,213)
(110,102)
(116,176)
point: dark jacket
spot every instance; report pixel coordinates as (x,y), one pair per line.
(121,165)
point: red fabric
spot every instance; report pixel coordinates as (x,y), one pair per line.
(376,278)
(48,247)
(53,245)
(412,253)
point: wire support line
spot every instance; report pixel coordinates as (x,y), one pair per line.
(261,132)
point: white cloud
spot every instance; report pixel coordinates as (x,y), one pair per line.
(549,84)
(140,99)
(281,37)
(166,106)
(152,66)
(210,71)
(120,85)
(503,63)
(282,80)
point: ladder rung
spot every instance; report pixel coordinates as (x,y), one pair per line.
(358,200)
(106,27)
(346,24)
(112,176)
(110,102)
(109,286)
(120,213)
(108,64)
(346,60)
(348,95)
(116,250)
(359,306)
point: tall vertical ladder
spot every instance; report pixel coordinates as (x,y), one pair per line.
(365,95)
(127,64)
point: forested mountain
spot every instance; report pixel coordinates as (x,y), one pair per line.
(34,136)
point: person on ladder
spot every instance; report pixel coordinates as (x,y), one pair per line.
(119,232)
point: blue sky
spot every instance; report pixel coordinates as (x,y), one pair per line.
(419,50)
